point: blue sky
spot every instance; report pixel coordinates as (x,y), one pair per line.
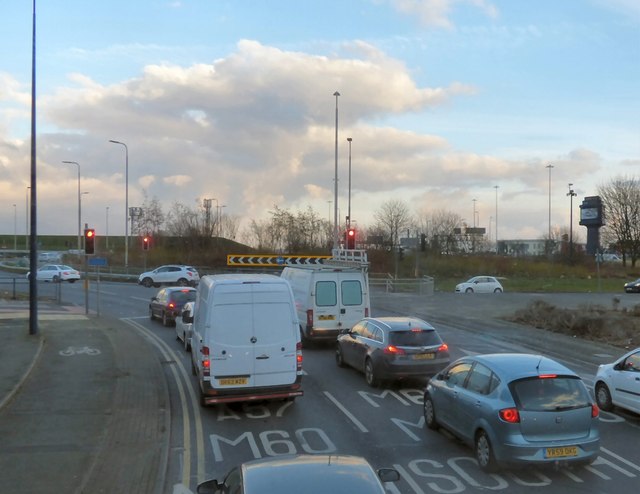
(444,99)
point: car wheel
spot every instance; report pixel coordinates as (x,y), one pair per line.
(193,368)
(165,320)
(497,290)
(370,374)
(56,279)
(72,281)
(484,453)
(429,413)
(339,357)
(187,344)
(183,282)
(469,290)
(151,316)
(147,282)
(603,397)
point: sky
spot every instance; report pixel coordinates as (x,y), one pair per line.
(455,105)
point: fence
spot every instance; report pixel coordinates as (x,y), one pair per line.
(422,286)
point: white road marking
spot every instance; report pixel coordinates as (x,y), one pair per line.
(349,415)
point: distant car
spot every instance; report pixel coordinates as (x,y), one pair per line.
(168,303)
(480,284)
(184,321)
(49,257)
(392,348)
(618,384)
(56,273)
(632,286)
(308,474)
(515,409)
(172,274)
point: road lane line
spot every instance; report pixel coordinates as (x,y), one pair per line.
(620,459)
(349,415)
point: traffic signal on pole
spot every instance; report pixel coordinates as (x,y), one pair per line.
(89,241)
(351,238)
(145,242)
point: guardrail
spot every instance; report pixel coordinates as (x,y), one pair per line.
(11,287)
(422,286)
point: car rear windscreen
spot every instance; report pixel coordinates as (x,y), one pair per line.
(184,297)
(415,337)
(550,393)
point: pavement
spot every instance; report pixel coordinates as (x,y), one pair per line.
(84,404)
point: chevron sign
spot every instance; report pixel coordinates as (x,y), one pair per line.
(271,260)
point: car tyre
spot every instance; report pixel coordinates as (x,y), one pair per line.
(72,281)
(151,316)
(187,343)
(603,397)
(469,290)
(370,374)
(147,282)
(183,282)
(339,357)
(484,452)
(165,320)
(497,290)
(429,413)
(56,279)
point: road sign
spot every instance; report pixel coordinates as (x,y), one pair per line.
(97,261)
(272,260)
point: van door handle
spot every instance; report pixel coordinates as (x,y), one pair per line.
(253,339)
(343,311)
(262,357)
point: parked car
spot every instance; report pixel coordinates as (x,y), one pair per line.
(392,348)
(618,384)
(56,273)
(172,274)
(480,284)
(515,409)
(184,323)
(308,474)
(168,303)
(632,286)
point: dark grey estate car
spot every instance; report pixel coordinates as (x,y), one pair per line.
(389,348)
(515,409)
(168,303)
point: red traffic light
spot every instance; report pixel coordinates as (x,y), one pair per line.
(351,238)
(145,242)
(89,241)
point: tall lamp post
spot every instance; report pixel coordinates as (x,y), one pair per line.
(496,187)
(26,231)
(571,195)
(549,167)
(335,183)
(107,228)
(15,227)
(349,207)
(79,204)
(126,202)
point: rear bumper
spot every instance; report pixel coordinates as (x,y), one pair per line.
(312,333)
(388,370)
(211,395)
(519,454)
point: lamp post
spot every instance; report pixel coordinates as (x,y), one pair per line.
(26,234)
(496,187)
(126,202)
(79,205)
(335,183)
(220,218)
(15,227)
(549,238)
(474,213)
(349,207)
(107,227)
(571,195)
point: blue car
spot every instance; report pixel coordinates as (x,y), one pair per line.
(515,409)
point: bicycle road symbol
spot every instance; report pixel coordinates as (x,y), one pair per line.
(79,350)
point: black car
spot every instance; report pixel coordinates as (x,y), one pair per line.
(168,303)
(390,348)
(632,286)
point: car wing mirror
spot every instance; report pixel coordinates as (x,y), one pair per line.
(187,318)
(153,299)
(209,487)
(388,475)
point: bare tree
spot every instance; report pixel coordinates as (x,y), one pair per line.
(393,217)
(621,200)
(152,218)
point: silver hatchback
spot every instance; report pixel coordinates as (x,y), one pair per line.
(515,409)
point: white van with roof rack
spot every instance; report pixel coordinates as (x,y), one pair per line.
(245,343)
(331,296)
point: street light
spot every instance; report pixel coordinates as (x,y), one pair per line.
(126,202)
(26,235)
(496,187)
(474,212)
(107,228)
(335,183)
(79,206)
(220,218)
(349,208)
(571,195)
(15,227)
(549,167)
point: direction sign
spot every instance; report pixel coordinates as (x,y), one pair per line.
(274,260)
(97,261)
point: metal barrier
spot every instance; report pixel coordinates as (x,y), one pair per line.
(422,286)
(16,286)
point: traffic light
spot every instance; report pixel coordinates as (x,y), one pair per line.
(89,241)
(423,242)
(351,238)
(145,242)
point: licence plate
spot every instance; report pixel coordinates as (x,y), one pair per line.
(233,381)
(562,452)
(424,356)
(326,318)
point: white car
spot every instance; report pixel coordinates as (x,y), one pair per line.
(172,274)
(184,323)
(480,284)
(56,273)
(618,384)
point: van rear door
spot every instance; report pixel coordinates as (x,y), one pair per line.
(353,299)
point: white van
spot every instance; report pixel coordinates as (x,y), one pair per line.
(329,297)
(245,343)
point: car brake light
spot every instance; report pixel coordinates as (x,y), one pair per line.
(366,312)
(310,317)
(171,305)
(443,348)
(393,350)
(595,411)
(547,376)
(206,363)
(510,415)
(299,356)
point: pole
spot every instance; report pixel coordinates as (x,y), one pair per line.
(335,183)
(496,187)
(33,254)
(571,195)
(349,207)
(79,204)
(107,228)
(15,227)
(549,237)
(126,202)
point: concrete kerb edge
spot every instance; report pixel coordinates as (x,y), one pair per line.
(25,376)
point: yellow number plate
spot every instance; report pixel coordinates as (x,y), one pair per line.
(326,318)
(233,381)
(562,452)
(424,356)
